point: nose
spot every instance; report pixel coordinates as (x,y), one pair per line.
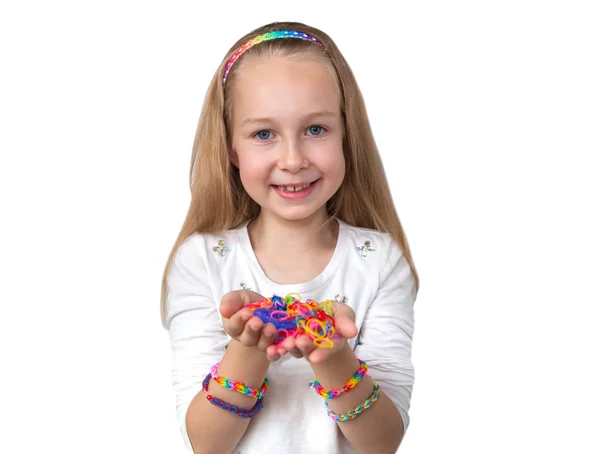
(292,156)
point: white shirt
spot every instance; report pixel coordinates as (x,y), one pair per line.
(378,285)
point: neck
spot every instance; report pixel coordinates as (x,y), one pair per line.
(272,233)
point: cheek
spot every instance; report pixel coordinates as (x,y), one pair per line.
(251,167)
(332,159)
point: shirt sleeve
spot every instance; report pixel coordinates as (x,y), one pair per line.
(385,338)
(197,337)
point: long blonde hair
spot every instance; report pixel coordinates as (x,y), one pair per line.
(218,199)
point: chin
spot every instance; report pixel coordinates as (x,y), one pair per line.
(296,213)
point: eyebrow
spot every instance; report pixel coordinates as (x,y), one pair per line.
(323,113)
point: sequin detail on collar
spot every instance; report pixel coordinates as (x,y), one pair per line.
(221,249)
(365,248)
(341,299)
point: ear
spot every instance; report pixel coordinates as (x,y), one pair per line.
(233,157)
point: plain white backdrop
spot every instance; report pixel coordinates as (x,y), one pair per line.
(487,117)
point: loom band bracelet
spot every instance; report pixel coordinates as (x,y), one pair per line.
(287,325)
(351,383)
(263,317)
(241,412)
(362,407)
(239,386)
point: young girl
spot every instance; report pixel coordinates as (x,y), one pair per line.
(289,196)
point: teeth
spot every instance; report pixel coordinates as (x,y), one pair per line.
(293,188)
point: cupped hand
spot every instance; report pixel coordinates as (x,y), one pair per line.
(303,346)
(242,325)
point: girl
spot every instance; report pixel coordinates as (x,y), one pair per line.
(289,196)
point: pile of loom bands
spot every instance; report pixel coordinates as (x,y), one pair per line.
(293,317)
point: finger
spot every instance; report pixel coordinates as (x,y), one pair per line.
(232,302)
(318,355)
(267,337)
(237,323)
(346,327)
(289,344)
(272,354)
(296,353)
(305,345)
(251,333)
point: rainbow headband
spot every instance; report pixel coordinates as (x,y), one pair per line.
(266,37)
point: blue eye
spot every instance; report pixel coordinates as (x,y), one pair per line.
(261,134)
(315,130)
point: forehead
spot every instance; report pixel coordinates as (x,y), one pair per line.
(284,89)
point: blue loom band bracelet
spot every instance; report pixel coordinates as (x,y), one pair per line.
(241,412)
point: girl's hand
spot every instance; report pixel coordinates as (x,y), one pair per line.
(303,346)
(242,325)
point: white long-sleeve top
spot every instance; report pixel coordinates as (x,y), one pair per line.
(374,277)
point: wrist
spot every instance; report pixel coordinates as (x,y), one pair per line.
(335,370)
(247,356)
(246,365)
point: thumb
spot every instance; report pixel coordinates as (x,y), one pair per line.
(345,326)
(235,300)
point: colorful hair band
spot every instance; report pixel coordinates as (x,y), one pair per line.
(266,37)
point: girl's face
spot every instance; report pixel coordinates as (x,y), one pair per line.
(287,132)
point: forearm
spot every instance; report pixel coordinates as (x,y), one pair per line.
(211,429)
(379,429)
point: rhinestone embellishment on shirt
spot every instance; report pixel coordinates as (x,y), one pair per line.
(341,299)
(221,249)
(364,250)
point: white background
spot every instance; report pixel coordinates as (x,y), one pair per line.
(487,117)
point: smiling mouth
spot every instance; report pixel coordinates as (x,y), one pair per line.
(294,188)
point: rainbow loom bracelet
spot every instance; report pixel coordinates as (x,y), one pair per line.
(364,406)
(351,383)
(241,412)
(238,385)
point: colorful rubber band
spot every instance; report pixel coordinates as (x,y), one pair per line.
(351,383)
(362,407)
(241,412)
(238,385)
(292,317)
